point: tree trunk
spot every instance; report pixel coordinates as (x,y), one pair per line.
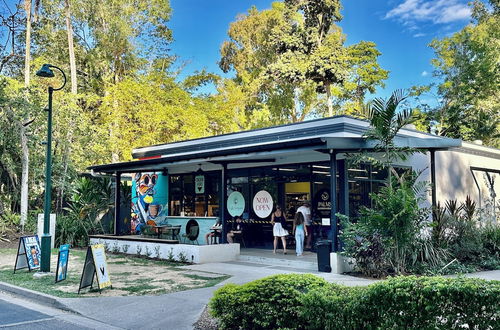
(74,90)
(24,176)
(71,48)
(296,104)
(329,101)
(27,8)
(24,138)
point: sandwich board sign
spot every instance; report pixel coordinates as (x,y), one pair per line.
(62,263)
(28,253)
(95,266)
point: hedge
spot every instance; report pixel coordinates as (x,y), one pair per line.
(308,302)
(269,303)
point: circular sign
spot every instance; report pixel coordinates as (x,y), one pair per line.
(235,204)
(262,204)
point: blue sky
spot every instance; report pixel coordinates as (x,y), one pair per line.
(402,29)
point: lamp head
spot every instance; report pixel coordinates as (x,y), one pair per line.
(45,72)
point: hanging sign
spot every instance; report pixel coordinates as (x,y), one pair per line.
(262,204)
(95,266)
(62,263)
(199,184)
(28,253)
(235,204)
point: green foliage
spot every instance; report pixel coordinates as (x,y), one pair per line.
(386,237)
(88,204)
(287,57)
(472,241)
(468,64)
(268,303)
(284,302)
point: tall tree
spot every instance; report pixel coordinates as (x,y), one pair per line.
(468,63)
(288,56)
(23,125)
(71,48)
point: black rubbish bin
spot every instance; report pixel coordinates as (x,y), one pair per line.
(323,249)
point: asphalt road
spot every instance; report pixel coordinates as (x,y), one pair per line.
(17,313)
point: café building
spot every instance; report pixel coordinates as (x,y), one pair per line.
(192,184)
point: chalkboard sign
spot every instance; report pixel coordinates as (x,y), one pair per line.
(95,266)
(28,253)
(62,263)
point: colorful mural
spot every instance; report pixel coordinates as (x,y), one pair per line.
(149,200)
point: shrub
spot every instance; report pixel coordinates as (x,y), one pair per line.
(333,307)
(434,303)
(269,303)
(307,302)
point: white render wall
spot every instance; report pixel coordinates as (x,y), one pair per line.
(197,254)
(454,179)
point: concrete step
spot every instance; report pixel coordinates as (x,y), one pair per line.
(295,262)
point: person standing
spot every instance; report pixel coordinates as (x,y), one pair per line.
(300,231)
(306,213)
(279,222)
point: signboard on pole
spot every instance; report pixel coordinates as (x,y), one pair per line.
(62,263)
(95,266)
(262,204)
(235,204)
(28,253)
(199,184)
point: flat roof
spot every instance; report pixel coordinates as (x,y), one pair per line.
(341,133)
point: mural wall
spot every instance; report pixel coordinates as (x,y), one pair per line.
(149,200)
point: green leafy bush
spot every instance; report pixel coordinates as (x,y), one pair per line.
(307,302)
(269,303)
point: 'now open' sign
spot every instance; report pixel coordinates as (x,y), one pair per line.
(262,204)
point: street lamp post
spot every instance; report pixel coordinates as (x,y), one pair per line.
(46,72)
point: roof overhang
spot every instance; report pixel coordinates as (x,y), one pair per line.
(248,154)
(349,144)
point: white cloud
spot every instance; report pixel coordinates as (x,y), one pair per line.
(418,35)
(425,74)
(411,12)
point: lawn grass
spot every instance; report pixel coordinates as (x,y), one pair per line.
(123,277)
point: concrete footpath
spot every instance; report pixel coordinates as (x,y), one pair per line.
(180,310)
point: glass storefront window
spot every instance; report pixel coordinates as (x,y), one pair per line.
(184,201)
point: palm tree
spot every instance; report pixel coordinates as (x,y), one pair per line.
(385,123)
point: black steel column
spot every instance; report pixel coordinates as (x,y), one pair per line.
(344,187)
(333,200)
(433,179)
(222,202)
(118,220)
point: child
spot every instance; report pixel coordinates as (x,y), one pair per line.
(300,231)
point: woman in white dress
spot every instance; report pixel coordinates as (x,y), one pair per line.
(278,221)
